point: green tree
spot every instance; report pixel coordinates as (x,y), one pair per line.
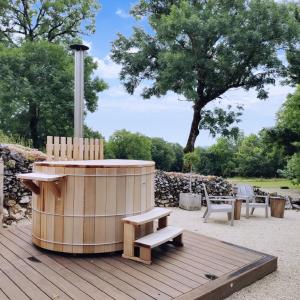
(54,20)
(289,115)
(286,133)
(90,133)
(177,164)
(127,145)
(218,159)
(292,170)
(36,91)
(293,70)
(293,57)
(201,49)
(190,160)
(256,157)
(162,153)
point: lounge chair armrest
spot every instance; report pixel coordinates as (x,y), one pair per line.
(223,199)
(219,197)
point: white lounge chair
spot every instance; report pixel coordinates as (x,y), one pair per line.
(220,207)
(246,192)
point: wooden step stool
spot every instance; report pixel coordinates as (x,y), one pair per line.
(151,240)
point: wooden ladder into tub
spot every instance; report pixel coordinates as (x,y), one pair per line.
(149,241)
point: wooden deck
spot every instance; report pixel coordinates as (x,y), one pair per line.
(204,268)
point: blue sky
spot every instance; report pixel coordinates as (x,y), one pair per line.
(166,117)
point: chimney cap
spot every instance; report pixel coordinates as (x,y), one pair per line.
(79,47)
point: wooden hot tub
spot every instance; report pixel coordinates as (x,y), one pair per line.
(79,210)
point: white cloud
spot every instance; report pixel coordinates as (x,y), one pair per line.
(249,98)
(107,69)
(116,98)
(121,13)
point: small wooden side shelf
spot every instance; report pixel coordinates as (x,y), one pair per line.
(53,182)
(151,239)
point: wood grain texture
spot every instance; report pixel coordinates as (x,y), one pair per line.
(86,216)
(89,210)
(62,148)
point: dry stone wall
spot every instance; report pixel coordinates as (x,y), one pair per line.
(17,199)
(168,186)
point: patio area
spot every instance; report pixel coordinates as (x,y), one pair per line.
(204,268)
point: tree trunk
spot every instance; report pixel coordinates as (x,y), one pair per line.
(33,125)
(194,131)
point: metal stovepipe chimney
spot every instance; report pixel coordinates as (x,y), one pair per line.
(79,88)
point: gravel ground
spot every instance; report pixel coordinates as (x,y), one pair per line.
(278,237)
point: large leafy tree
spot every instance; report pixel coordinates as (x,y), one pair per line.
(202,48)
(36,91)
(51,20)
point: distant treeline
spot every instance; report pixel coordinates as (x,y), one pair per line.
(251,156)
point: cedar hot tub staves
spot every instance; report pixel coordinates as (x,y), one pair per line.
(92,196)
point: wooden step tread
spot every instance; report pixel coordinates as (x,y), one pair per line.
(159,237)
(153,214)
(39,176)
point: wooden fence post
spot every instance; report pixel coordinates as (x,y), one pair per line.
(1,190)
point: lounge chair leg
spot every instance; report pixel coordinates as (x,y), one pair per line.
(252,211)
(229,216)
(247,209)
(205,213)
(206,217)
(232,215)
(267,213)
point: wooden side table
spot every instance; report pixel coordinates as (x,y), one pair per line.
(237,209)
(277,206)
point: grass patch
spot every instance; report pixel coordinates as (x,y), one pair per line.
(264,182)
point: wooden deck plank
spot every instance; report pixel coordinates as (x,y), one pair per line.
(181,263)
(176,272)
(3,296)
(172,253)
(116,282)
(217,261)
(30,289)
(195,256)
(140,285)
(68,289)
(171,274)
(144,277)
(211,256)
(214,249)
(83,285)
(88,290)
(175,284)
(225,248)
(110,292)
(43,284)
(10,288)
(173,267)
